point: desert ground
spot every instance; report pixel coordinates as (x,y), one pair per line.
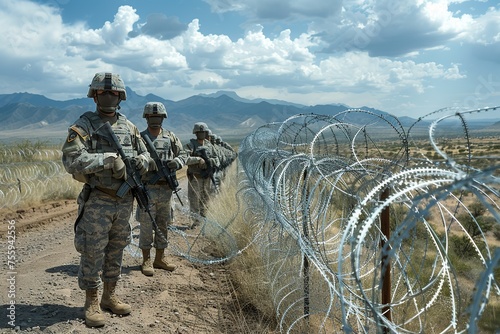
(195,298)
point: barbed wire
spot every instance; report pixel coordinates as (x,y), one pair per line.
(33,175)
(320,186)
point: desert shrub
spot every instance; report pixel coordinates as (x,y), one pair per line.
(460,264)
(463,246)
(475,224)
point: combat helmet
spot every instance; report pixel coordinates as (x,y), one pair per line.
(154,108)
(107,81)
(200,127)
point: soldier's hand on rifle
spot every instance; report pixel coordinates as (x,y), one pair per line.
(194,161)
(108,159)
(141,164)
(119,169)
(174,164)
(152,165)
(115,163)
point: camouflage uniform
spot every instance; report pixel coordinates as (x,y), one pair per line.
(199,180)
(168,147)
(103,229)
(226,156)
(167,153)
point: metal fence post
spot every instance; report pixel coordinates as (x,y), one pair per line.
(385,227)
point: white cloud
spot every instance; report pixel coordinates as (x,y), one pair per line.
(27,26)
(200,50)
(356,71)
(260,54)
(207,80)
(392,28)
(116,32)
(485,29)
(59,59)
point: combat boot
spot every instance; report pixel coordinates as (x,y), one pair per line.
(147,266)
(110,300)
(93,313)
(160,262)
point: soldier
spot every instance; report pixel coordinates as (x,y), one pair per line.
(102,229)
(215,186)
(201,161)
(169,149)
(226,157)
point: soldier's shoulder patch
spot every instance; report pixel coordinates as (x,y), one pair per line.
(75,131)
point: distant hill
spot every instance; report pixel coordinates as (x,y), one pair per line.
(235,96)
(227,114)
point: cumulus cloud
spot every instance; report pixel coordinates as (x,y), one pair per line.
(483,36)
(392,28)
(26,25)
(357,71)
(165,56)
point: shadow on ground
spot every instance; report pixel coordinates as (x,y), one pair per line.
(42,316)
(68,269)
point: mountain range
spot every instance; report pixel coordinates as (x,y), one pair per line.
(23,115)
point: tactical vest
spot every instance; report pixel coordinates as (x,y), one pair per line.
(97,144)
(163,146)
(193,146)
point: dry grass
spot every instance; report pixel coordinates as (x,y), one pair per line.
(31,175)
(249,274)
(247,271)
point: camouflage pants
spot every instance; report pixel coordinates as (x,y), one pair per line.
(161,208)
(101,235)
(198,194)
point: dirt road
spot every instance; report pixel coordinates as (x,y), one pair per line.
(39,292)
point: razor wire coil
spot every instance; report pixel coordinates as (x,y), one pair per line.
(319,180)
(31,175)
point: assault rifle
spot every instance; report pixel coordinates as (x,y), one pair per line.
(133,181)
(210,170)
(163,171)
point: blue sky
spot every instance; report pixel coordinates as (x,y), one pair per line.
(405,57)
